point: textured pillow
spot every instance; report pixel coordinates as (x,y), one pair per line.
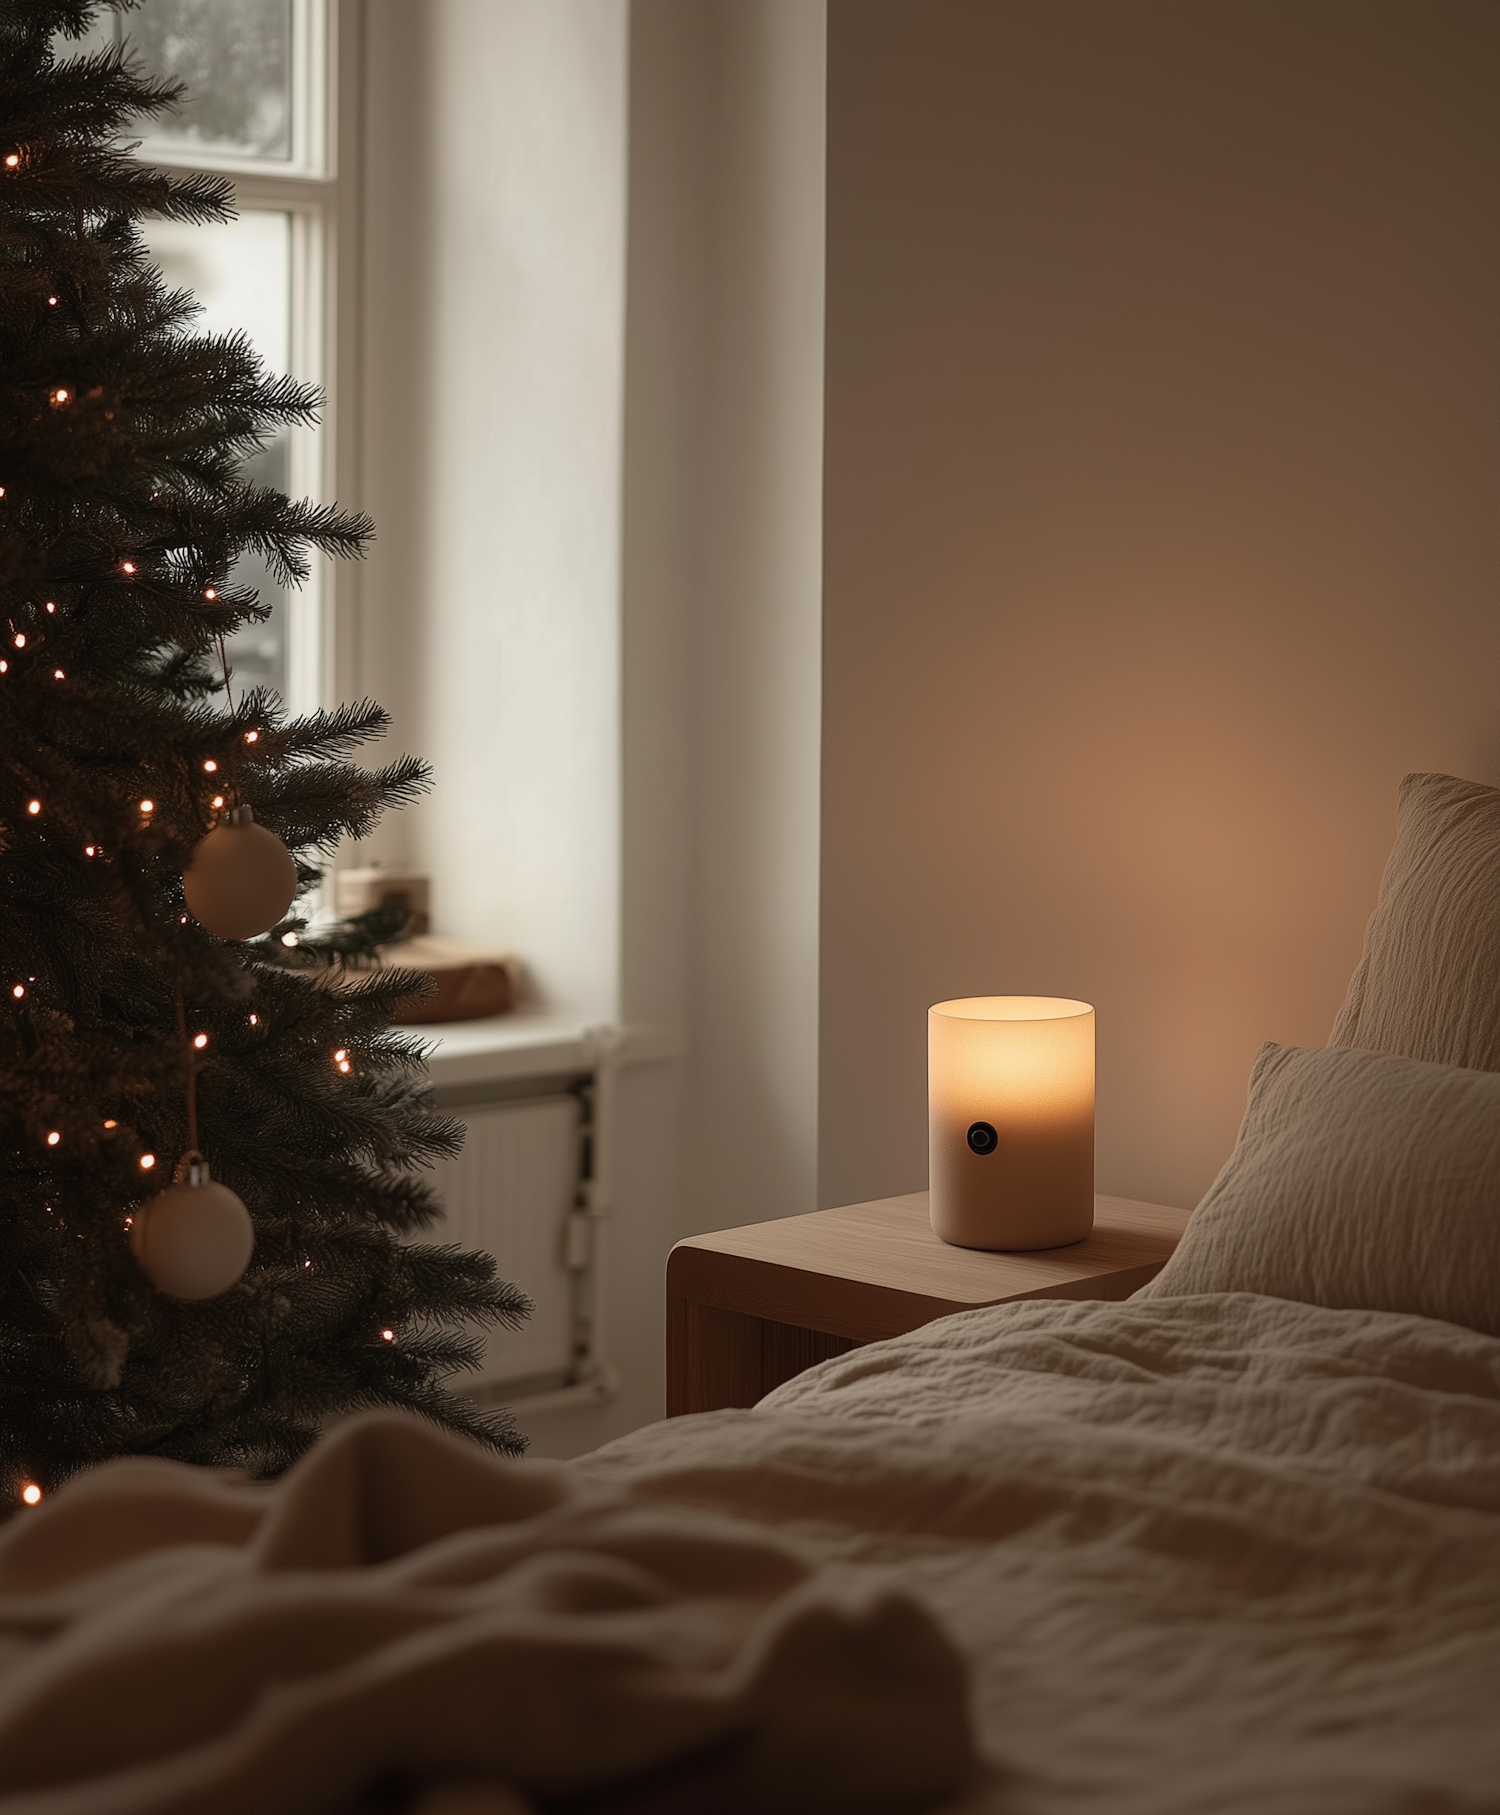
(1360,1180)
(1428,985)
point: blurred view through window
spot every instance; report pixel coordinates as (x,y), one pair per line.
(256,107)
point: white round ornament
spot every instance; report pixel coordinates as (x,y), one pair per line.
(242,878)
(193,1240)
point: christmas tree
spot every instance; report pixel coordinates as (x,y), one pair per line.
(137,1042)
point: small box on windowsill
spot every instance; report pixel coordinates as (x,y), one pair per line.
(470,980)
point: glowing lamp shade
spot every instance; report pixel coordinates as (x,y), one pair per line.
(1010,1121)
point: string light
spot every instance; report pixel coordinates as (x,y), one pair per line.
(210,767)
(389,1335)
(58,675)
(148,806)
(30,1493)
(61,395)
(251,736)
(127,567)
(33,807)
(255,1020)
(210,592)
(218,800)
(51,302)
(111,1123)
(342,1053)
(90,849)
(20,639)
(200,1041)
(288,938)
(51,603)
(12,160)
(148,1160)
(4,667)
(53,1138)
(343,1065)
(18,991)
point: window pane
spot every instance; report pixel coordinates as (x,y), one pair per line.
(241,274)
(235,57)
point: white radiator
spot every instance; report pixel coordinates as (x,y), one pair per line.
(514,1192)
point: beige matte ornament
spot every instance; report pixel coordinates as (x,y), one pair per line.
(193,1240)
(242,878)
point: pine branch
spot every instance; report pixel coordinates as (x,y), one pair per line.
(124,509)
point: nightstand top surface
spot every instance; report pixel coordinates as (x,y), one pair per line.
(862,1269)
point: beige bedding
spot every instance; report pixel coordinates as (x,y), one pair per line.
(407,1613)
(1207,1554)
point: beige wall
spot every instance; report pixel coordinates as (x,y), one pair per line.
(1163,461)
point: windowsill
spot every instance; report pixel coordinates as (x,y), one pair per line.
(528,1045)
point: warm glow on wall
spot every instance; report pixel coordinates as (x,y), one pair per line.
(1010,1086)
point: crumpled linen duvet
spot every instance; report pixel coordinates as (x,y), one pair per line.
(1210,1554)
(407,1611)
(1202,1555)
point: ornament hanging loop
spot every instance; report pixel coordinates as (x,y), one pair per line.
(192,1169)
(192,1087)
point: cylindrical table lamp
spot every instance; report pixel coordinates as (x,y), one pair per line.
(1010,1121)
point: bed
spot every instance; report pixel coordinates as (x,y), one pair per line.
(1232,1545)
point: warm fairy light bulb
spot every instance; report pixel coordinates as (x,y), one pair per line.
(343,1065)
(4,667)
(12,160)
(251,737)
(255,1020)
(210,767)
(200,1041)
(20,640)
(218,800)
(51,302)
(33,807)
(342,1053)
(127,567)
(389,1335)
(288,938)
(30,1493)
(61,395)
(53,1138)
(148,1160)
(52,604)
(19,991)
(210,592)
(89,849)
(111,1123)
(58,675)
(148,806)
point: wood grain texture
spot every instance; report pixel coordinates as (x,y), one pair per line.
(873,1270)
(723,1358)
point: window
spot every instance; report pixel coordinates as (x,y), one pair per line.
(259,107)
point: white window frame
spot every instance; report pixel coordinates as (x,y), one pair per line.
(316,187)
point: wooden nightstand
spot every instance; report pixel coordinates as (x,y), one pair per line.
(748,1308)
